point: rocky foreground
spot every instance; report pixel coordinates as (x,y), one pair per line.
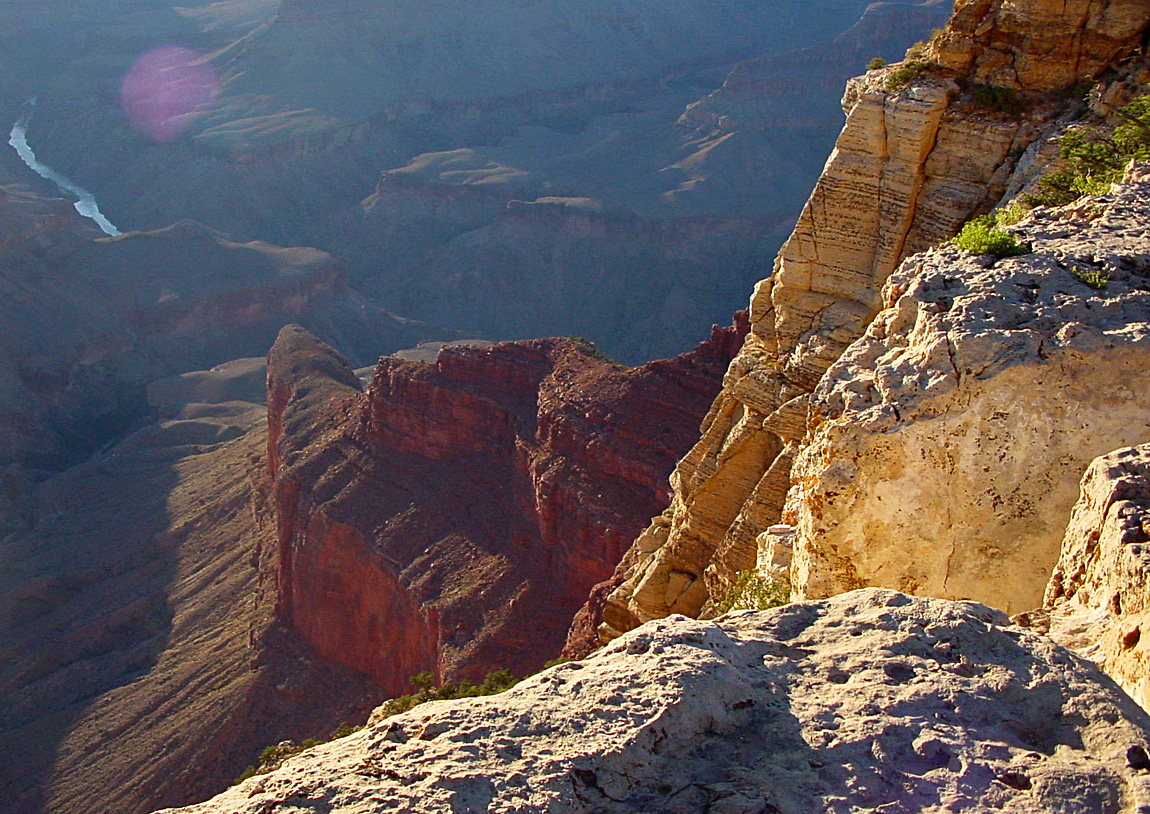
(869,701)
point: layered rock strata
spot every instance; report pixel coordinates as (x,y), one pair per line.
(453,517)
(1097,598)
(945,445)
(870,701)
(914,161)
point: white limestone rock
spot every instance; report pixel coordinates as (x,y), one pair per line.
(870,701)
(946,444)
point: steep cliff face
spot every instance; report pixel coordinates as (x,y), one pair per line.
(453,517)
(914,161)
(945,446)
(868,702)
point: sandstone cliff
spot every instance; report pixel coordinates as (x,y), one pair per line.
(917,157)
(453,517)
(868,702)
(945,445)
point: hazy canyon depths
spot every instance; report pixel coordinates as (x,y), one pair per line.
(811,384)
(861,346)
(659,157)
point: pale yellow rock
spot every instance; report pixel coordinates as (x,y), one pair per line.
(947,442)
(910,167)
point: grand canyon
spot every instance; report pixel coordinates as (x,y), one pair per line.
(757,380)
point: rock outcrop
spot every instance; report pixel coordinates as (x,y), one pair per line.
(454,517)
(945,445)
(916,158)
(1097,598)
(870,701)
(1039,45)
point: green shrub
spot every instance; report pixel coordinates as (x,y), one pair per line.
(1090,277)
(1010,214)
(907,71)
(752,591)
(1093,161)
(876,63)
(983,236)
(1003,100)
(495,682)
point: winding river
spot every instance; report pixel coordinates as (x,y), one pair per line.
(86,203)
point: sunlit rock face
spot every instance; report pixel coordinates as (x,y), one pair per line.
(1096,599)
(913,163)
(870,701)
(454,516)
(946,444)
(1039,44)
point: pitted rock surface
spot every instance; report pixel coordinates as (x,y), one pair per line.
(947,442)
(870,701)
(1096,602)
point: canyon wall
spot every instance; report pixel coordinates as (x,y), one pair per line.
(918,156)
(454,516)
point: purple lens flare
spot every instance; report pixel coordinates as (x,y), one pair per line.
(166,89)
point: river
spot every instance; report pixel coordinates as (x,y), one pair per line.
(86,203)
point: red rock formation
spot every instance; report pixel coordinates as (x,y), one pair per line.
(454,516)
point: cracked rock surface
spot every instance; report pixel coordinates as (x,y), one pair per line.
(870,701)
(946,444)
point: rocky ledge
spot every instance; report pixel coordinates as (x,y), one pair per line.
(870,701)
(945,446)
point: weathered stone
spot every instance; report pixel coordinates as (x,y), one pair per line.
(870,701)
(1098,600)
(911,166)
(1039,44)
(947,443)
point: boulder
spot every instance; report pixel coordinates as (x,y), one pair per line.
(1096,601)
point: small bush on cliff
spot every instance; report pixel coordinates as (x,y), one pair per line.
(983,236)
(495,682)
(1002,100)
(1094,161)
(876,63)
(1093,278)
(908,70)
(752,591)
